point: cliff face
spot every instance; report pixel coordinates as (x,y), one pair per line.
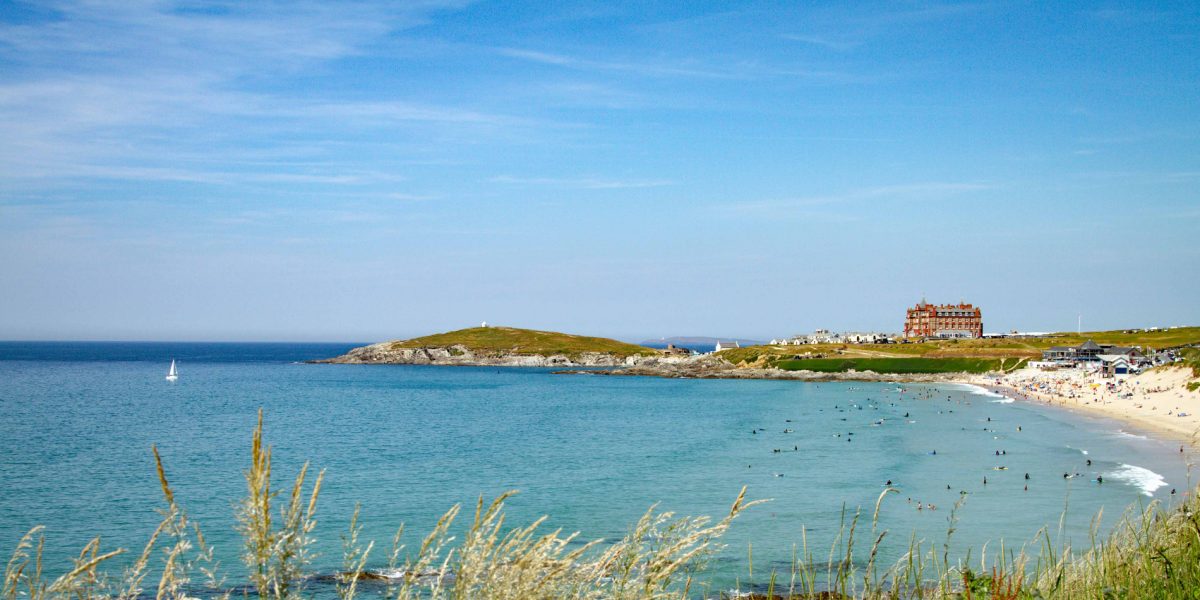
(386,353)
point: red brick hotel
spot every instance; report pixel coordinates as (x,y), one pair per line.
(943,321)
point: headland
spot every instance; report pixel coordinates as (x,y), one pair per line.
(504,347)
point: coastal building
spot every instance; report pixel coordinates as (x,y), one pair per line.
(726,345)
(1115,364)
(825,336)
(1018,334)
(856,337)
(1091,352)
(927,320)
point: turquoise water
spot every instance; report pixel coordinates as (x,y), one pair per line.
(593,452)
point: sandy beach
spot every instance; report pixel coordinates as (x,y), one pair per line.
(1157,400)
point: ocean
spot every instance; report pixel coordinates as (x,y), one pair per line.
(591,452)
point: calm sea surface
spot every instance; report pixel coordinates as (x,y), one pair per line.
(77,421)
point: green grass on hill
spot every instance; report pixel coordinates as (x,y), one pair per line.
(1167,338)
(900,365)
(525,341)
(990,349)
(1191,358)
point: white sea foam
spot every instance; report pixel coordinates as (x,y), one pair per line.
(1140,477)
(976,390)
(1132,435)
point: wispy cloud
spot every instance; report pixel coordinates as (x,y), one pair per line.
(1138,177)
(716,70)
(589,183)
(823,41)
(929,190)
(659,68)
(849,27)
(169,91)
(409,197)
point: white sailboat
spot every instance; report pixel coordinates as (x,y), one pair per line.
(172,375)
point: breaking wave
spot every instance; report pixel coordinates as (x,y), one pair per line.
(1139,477)
(976,390)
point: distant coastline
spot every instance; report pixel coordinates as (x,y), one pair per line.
(1159,399)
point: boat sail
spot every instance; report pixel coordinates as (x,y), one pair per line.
(172,375)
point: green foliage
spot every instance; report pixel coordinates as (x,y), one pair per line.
(1191,358)
(1012,349)
(526,342)
(1166,338)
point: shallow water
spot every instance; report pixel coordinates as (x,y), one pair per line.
(593,452)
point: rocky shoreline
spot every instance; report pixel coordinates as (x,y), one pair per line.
(710,367)
(387,353)
(600,363)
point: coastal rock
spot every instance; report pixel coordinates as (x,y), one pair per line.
(714,367)
(705,366)
(389,353)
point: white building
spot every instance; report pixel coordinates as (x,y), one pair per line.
(825,336)
(864,338)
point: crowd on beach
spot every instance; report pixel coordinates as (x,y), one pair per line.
(1159,399)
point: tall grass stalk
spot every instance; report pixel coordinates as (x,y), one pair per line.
(276,555)
(354,558)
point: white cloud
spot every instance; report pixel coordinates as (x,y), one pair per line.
(902,191)
(167,92)
(590,183)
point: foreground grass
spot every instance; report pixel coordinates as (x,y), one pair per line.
(1153,553)
(526,342)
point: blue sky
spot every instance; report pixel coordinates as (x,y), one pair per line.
(362,171)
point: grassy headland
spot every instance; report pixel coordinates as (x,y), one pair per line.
(511,340)
(943,356)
